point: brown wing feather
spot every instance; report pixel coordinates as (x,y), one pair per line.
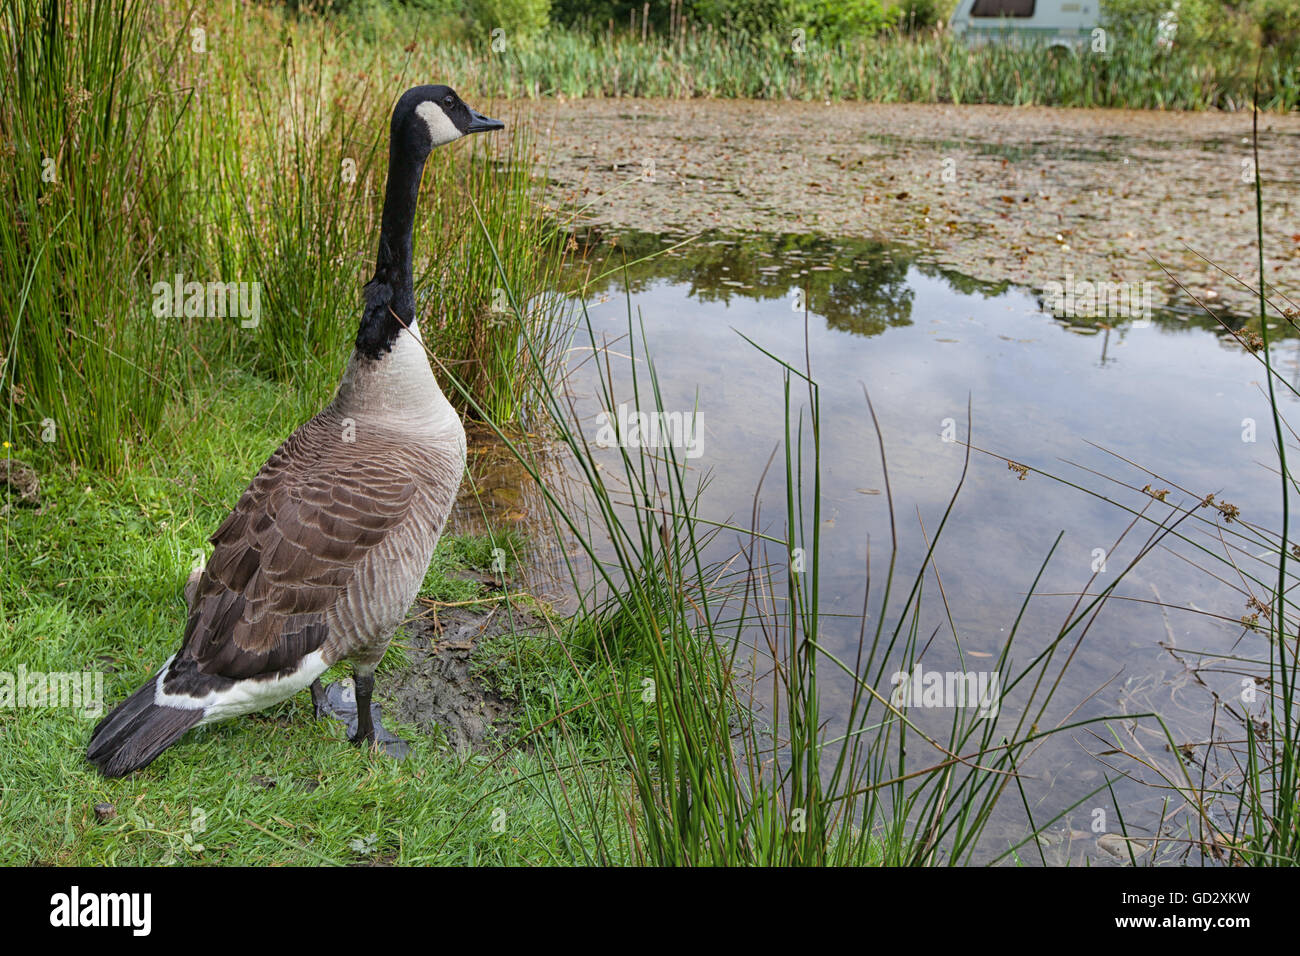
(283,556)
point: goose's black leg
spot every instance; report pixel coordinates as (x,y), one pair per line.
(354,707)
(319,700)
(370,727)
(365,684)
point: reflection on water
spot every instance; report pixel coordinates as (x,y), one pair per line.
(1063,397)
(862,290)
(861,287)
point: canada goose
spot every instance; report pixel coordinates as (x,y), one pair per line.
(324,552)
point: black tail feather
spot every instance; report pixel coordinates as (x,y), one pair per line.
(136,732)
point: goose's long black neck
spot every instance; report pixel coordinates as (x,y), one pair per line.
(390,295)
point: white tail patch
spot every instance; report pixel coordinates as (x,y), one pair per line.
(245,696)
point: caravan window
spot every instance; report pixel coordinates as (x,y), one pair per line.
(1003,8)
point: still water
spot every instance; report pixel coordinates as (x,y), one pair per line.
(1176,396)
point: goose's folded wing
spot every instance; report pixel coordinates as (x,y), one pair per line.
(281,558)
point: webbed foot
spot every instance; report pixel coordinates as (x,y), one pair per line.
(349,702)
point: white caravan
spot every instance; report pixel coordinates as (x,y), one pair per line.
(1053,23)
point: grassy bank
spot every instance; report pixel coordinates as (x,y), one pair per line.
(890,68)
(224,144)
(92,583)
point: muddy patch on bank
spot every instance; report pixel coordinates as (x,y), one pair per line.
(443,690)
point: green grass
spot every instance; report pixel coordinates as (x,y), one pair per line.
(223,174)
(95,579)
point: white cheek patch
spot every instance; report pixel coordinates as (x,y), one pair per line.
(441,128)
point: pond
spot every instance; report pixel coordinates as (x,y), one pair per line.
(1092,402)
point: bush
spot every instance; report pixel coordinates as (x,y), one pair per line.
(821,19)
(519,18)
(597,14)
(826,20)
(845,20)
(1279,23)
(1236,26)
(917,15)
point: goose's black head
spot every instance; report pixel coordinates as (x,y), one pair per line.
(427,117)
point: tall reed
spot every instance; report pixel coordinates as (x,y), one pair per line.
(95,186)
(145,143)
(1242,789)
(709,676)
